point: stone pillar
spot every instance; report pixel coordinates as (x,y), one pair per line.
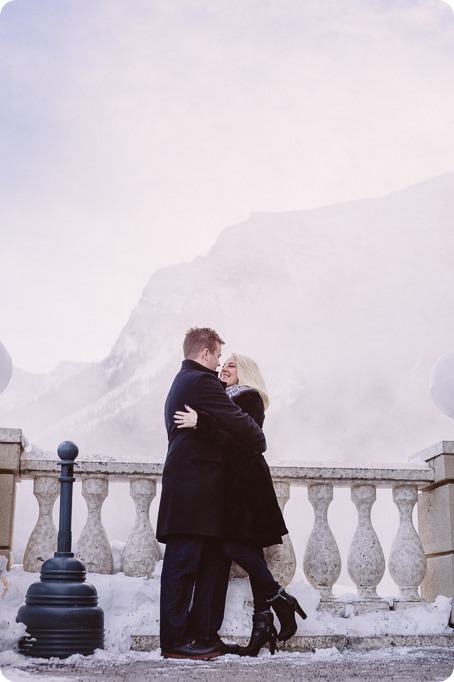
(43,541)
(322,561)
(10,452)
(93,548)
(436,523)
(141,552)
(281,559)
(366,562)
(407,562)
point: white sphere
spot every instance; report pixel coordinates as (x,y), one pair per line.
(442,384)
(6,367)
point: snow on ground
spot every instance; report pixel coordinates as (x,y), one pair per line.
(131,607)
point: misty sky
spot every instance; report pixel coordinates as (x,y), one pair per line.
(132,132)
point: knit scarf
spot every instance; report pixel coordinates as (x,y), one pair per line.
(236,389)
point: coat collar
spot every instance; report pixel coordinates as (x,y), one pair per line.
(192,364)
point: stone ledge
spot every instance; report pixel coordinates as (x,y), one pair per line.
(10,435)
(443,447)
(308,643)
(30,467)
(340,474)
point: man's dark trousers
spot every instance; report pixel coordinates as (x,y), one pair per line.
(185,557)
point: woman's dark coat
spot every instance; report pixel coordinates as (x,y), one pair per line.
(252,513)
(193,480)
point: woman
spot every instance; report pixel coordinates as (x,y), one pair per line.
(253,519)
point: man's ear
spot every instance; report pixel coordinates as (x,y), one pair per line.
(205,353)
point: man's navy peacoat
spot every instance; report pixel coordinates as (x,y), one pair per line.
(193,480)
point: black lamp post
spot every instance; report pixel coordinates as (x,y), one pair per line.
(61,611)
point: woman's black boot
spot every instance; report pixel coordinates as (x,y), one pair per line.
(285,606)
(263,632)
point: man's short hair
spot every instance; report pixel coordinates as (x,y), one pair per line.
(199,338)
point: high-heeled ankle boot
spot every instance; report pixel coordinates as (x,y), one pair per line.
(263,632)
(285,606)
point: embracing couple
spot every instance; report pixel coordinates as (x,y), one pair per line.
(218,505)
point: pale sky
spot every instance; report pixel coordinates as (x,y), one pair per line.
(132,132)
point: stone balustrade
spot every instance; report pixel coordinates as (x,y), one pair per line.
(322,559)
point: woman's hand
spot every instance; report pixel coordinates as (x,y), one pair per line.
(186,420)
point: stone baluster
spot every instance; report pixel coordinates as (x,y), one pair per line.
(93,548)
(141,552)
(407,561)
(322,561)
(366,561)
(281,559)
(43,541)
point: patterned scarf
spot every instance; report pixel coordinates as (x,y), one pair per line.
(236,389)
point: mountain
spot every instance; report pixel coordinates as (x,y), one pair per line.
(346,309)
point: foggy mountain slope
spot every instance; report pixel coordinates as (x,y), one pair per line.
(36,385)
(346,308)
(32,401)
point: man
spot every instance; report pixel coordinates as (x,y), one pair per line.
(190,514)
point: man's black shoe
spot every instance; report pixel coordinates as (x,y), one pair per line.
(222,646)
(195,650)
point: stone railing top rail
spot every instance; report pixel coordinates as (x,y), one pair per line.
(299,473)
(10,435)
(443,447)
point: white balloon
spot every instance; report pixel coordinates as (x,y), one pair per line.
(6,367)
(442,384)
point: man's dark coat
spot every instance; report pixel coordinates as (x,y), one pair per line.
(193,481)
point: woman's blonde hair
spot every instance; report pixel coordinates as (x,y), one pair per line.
(249,374)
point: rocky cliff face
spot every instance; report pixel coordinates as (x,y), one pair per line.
(346,308)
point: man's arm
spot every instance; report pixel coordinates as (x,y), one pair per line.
(211,398)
